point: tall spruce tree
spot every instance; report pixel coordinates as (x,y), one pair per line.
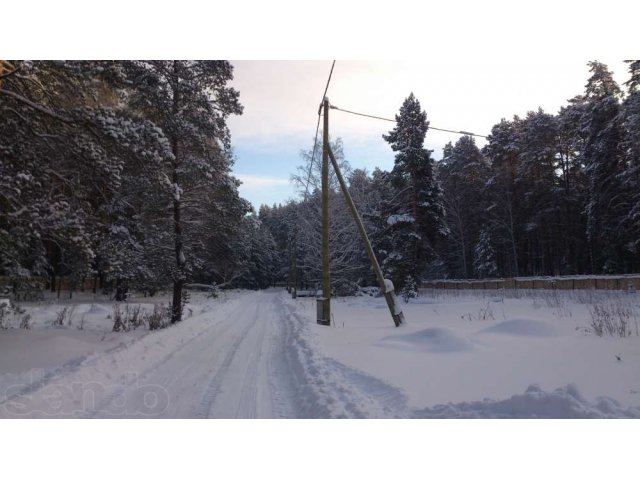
(419,222)
(484,257)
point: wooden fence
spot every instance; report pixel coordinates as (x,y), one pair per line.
(622,282)
(61,283)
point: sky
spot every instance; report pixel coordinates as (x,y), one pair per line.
(281,100)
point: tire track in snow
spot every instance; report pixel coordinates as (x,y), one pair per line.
(213,389)
(97,369)
(281,380)
(101,409)
(248,404)
(329,388)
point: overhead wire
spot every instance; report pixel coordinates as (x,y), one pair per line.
(315,142)
(334,107)
(392,120)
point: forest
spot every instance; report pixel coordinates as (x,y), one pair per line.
(549,194)
(121,172)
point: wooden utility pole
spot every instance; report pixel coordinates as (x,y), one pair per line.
(326,277)
(386,286)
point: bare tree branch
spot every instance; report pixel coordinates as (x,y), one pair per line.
(35,106)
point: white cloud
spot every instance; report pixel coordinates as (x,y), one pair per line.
(281,97)
(259,182)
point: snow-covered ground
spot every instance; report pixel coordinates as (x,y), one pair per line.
(485,354)
(518,354)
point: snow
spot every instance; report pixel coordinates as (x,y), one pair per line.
(465,351)
(564,402)
(463,354)
(430,339)
(404,218)
(523,326)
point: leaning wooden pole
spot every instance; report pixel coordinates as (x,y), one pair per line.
(326,277)
(386,286)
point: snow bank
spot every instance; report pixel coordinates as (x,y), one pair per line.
(564,402)
(469,348)
(523,326)
(434,339)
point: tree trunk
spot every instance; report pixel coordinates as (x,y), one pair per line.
(178,281)
(121,290)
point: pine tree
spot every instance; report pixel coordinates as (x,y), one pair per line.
(603,161)
(419,223)
(536,178)
(464,172)
(630,177)
(409,289)
(503,194)
(573,188)
(484,257)
(190,102)
(64,141)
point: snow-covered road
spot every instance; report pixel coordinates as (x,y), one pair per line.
(225,362)
(261,355)
(247,357)
(227,371)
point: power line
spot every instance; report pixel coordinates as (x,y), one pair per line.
(315,142)
(391,120)
(327,87)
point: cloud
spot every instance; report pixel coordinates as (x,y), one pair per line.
(259,182)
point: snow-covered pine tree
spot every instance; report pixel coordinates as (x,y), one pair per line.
(64,141)
(630,177)
(409,289)
(190,102)
(365,197)
(537,180)
(573,188)
(603,159)
(503,195)
(280,221)
(259,253)
(463,172)
(419,222)
(484,257)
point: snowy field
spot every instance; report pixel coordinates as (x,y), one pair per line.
(515,353)
(469,354)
